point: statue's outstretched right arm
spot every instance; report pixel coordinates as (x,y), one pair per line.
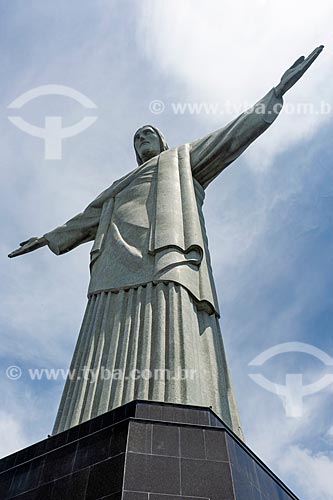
(80,229)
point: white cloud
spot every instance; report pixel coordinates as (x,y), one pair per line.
(236,51)
(312,472)
(284,444)
(11,434)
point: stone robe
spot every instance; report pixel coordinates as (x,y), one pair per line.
(152,302)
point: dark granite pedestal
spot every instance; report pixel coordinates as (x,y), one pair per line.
(141,451)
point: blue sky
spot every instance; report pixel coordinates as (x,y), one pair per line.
(269,216)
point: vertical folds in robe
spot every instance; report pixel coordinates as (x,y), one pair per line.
(148,328)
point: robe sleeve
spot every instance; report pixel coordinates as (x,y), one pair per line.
(213,153)
(87,226)
(80,229)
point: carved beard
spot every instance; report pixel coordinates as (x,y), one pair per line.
(149,153)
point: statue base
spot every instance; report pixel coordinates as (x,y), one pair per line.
(141,451)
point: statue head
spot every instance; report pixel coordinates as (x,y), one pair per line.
(148,142)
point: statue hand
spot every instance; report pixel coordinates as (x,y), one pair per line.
(296,71)
(28,246)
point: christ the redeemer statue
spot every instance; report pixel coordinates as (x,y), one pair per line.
(151,327)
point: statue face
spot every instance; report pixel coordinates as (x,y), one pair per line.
(147,143)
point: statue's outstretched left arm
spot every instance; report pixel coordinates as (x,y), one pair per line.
(212,154)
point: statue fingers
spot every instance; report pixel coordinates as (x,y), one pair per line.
(28,246)
(297,62)
(30,240)
(15,253)
(315,53)
(313,56)
(22,250)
